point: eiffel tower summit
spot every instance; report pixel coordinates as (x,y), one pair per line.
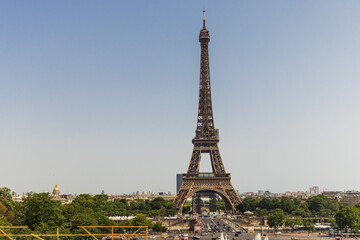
(206,141)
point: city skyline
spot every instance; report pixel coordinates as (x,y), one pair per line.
(310,190)
(151,192)
(104,96)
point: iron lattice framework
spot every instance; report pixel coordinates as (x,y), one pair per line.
(206,141)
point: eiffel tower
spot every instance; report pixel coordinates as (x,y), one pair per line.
(206,141)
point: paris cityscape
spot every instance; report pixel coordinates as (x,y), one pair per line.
(103,102)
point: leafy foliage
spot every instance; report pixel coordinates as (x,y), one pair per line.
(308,225)
(348,217)
(276,218)
(42,213)
(6,199)
(140,220)
(292,222)
(318,205)
(248,204)
(158,227)
(6,205)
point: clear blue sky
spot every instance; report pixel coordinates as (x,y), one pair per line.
(103,95)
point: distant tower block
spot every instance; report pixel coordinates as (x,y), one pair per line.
(206,141)
(179,180)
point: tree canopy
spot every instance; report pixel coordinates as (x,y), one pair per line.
(348,217)
(318,205)
(276,218)
(41,213)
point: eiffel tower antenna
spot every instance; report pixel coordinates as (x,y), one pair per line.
(204,19)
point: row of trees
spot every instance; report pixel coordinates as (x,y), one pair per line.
(293,212)
(277,218)
(40,212)
(346,219)
(318,205)
(217,204)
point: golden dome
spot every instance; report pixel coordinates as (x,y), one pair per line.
(56,188)
(56,191)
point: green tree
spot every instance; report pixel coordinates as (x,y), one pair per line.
(100,202)
(322,205)
(308,225)
(154,213)
(42,212)
(140,220)
(333,223)
(3,210)
(312,228)
(157,203)
(265,203)
(138,206)
(301,211)
(297,202)
(357,205)
(248,204)
(276,218)
(334,206)
(187,207)
(6,198)
(261,212)
(82,219)
(87,210)
(287,205)
(317,203)
(4,222)
(84,200)
(118,207)
(220,205)
(6,204)
(348,217)
(19,214)
(298,221)
(158,227)
(170,208)
(290,222)
(275,203)
(325,212)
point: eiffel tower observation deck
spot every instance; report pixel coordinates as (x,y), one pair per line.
(206,141)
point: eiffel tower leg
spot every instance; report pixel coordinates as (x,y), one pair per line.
(233,197)
(196,203)
(194,162)
(230,205)
(182,195)
(212,205)
(218,163)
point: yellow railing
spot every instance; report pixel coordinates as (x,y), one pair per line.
(136,231)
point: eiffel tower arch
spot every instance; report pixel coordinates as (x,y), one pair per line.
(206,141)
